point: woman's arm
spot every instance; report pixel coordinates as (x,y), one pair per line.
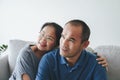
(25,77)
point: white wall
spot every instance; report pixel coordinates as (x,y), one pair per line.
(22,19)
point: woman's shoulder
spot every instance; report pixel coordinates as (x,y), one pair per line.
(25,51)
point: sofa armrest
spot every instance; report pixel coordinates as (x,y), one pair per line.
(112,54)
(4,67)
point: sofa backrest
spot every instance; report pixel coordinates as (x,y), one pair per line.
(112,54)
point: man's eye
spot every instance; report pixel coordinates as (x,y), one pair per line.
(72,40)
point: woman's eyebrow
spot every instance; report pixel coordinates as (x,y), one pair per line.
(51,36)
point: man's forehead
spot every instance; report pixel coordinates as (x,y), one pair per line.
(72,28)
(72,33)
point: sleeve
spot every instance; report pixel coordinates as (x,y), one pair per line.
(23,65)
(43,69)
(100,73)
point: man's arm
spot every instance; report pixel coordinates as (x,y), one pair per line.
(43,69)
(100,73)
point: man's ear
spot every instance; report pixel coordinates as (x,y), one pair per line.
(85,44)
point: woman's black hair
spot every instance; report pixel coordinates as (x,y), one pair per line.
(58,30)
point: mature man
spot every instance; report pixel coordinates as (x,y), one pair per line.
(71,61)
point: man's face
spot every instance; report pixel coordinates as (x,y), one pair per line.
(71,41)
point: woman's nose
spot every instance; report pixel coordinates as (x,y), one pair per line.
(43,38)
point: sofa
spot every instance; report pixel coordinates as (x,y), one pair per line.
(8,58)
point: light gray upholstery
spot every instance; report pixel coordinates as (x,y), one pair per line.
(4,67)
(14,46)
(112,54)
(90,49)
(7,61)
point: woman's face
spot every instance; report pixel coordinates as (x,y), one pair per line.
(47,39)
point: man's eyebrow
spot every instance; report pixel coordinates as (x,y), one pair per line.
(72,38)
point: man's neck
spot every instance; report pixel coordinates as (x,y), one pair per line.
(72,60)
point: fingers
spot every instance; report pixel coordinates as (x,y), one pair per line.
(25,77)
(107,68)
(101,60)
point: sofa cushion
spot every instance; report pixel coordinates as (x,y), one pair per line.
(112,54)
(4,68)
(14,48)
(89,49)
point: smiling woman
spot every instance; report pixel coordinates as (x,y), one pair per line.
(30,55)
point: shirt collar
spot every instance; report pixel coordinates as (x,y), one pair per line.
(81,58)
(62,60)
(79,62)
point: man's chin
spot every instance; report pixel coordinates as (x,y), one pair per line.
(63,54)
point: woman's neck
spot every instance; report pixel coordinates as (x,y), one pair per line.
(37,52)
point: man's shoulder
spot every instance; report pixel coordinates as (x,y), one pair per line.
(50,58)
(91,60)
(52,53)
(90,56)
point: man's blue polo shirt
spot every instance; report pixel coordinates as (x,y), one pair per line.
(54,67)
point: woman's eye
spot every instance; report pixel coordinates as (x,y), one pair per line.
(49,38)
(62,36)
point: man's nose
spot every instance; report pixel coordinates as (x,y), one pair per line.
(65,43)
